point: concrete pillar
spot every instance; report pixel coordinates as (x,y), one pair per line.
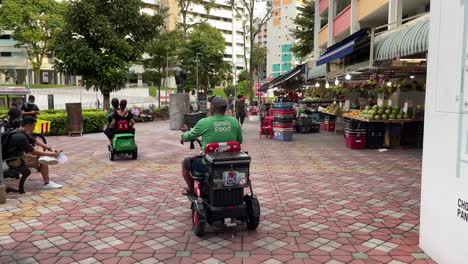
(355,26)
(140,80)
(2,77)
(331,17)
(395,13)
(317,29)
(31,77)
(179,106)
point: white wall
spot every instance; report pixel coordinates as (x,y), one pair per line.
(444,236)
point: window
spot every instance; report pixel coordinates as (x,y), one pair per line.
(286,57)
(239,45)
(228,44)
(274,75)
(5,37)
(239,68)
(240,56)
(276,67)
(286,48)
(227,56)
(5,54)
(341,5)
(286,67)
(240,33)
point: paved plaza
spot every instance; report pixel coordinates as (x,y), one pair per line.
(320,202)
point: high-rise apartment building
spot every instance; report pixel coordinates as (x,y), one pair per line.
(262,37)
(225,19)
(279,39)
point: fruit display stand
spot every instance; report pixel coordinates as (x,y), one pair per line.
(283,122)
(388,131)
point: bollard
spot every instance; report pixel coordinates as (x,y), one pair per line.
(50,101)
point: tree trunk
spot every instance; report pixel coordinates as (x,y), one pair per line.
(106,101)
(37,76)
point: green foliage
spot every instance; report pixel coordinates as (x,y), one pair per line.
(93,121)
(153,91)
(243,76)
(210,44)
(163,51)
(161,113)
(303,33)
(259,56)
(218,92)
(229,90)
(243,88)
(100,39)
(34,23)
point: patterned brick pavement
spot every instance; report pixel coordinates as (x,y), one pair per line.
(321,203)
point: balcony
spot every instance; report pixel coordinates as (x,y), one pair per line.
(368,7)
(342,21)
(323,36)
(323,5)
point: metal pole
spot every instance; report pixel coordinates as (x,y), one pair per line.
(196,60)
(28,81)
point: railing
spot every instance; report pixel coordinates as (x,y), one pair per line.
(323,5)
(342,21)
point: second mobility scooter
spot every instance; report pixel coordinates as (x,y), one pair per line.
(123,142)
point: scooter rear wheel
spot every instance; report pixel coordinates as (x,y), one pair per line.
(111,155)
(198,226)
(252,220)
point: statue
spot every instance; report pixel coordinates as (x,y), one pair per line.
(180,77)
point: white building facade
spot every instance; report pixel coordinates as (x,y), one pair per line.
(280,59)
(225,19)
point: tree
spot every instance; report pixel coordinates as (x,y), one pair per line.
(258,58)
(243,88)
(209,43)
(100,39)
(252,27)
(33,23)
(186,7)
(163,51)
(304,31)
(243,76)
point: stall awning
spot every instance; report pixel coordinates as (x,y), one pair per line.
(317,72)
(294,73)
(342,48)
(410,39)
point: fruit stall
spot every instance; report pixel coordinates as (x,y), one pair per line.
(380,126)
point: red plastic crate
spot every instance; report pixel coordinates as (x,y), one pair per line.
(356,142)
(283,112)
(330,127)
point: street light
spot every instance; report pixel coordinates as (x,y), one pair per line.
(197,61)
(28,81)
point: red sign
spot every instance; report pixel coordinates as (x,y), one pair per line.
(256,89)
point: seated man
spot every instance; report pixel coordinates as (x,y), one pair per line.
(216,128)
(21,144)
(14,116)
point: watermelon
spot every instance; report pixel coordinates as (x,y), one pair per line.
(405,116)
(375,107)
(400,116)
(377,117)
(391,116)
(381,111)
(396,108)
(368,108)
(388,111)
(370,117)
(385,117)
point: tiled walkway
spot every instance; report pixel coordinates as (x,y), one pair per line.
(321,203)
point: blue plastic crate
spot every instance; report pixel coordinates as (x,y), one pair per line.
(283,135)
(283,105)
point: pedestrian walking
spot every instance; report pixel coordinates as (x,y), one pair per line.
(240,109)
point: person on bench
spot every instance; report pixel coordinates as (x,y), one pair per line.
(21,144)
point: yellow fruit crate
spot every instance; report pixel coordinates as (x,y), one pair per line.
(42,127)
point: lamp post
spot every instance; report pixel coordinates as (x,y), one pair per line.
(28,80)
(197,61)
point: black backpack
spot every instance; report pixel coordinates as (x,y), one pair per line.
(6,136)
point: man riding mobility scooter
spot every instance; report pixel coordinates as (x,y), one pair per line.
(219,198)
(123,141)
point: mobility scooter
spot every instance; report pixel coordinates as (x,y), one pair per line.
(123,142)
(219,198)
